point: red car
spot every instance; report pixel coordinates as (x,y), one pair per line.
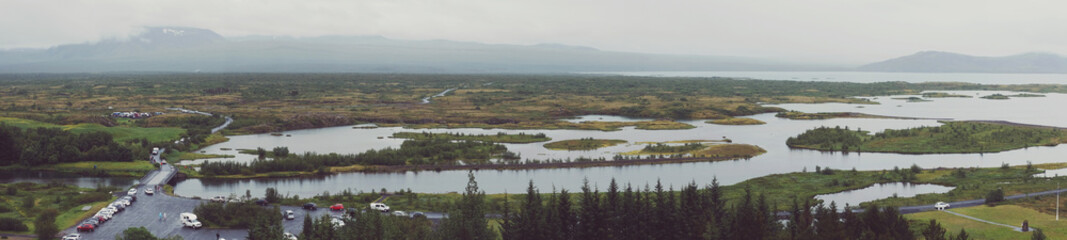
(337,207)
(86,227)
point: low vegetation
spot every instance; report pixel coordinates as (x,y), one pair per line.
(951,137)
(583,144)
(21,204)
(500,137)
(794,115)
(737,121)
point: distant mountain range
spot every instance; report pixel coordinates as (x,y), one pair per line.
(180,49)
(183,49)
(932,61)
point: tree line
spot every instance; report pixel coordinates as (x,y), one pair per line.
(38,146)
(951,136)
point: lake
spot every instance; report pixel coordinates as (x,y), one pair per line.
(879,191)
(778,159)
(867,77)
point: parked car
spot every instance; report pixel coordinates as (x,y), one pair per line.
(85,227)
(289,215)
(149,191)
(380,207)
(129,198)
(310,206)
(289,236)
(337,207)
(191,223)
(94,222)
(72,236)
(400,214)
(262,202)
(218,199)
(941,205)
(417,214)
(124,202)
(133,191)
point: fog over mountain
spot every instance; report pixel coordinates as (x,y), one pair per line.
(933,61)
(180,49)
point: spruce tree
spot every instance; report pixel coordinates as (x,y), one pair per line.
(934,231)
(468,220)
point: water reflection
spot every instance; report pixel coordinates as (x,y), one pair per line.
(880,191)
(46,177)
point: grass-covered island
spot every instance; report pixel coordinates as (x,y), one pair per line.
(794,115)
(700,150)
(952,137)
(913,99)
(499,137)
(736,121)
(943,95)
(583,144)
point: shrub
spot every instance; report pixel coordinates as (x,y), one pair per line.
(12,224)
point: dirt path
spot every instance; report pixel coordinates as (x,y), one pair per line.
(1017,229)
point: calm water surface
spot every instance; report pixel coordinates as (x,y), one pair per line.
(879,191)
(868,77)
(778,159)
(46,177)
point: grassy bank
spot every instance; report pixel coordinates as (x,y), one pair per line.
(583,144)
(1003,214)
(116,169)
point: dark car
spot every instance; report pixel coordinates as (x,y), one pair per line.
(86,227)
(311,206)
(262,202)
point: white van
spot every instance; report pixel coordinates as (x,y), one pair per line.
(379,206)
(189,220)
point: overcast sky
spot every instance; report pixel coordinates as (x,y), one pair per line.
(815,31)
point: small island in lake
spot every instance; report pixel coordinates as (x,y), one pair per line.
(736,121)
(583,144)
(943,95)
(499,137)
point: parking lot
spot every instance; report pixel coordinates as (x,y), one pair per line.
(145,213)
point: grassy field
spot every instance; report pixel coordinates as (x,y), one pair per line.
(737,121)
(975,229)
(944,95)
(119,133)
(583,144)
(497,138)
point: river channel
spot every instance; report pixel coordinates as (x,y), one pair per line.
(778,159)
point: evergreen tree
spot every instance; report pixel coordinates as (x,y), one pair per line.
(934,231)
(963,235)
(565,213)
(611,210)
(1038,235)
(715,211)
(590,223)
(468,220)
(267,226)
(309,228)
